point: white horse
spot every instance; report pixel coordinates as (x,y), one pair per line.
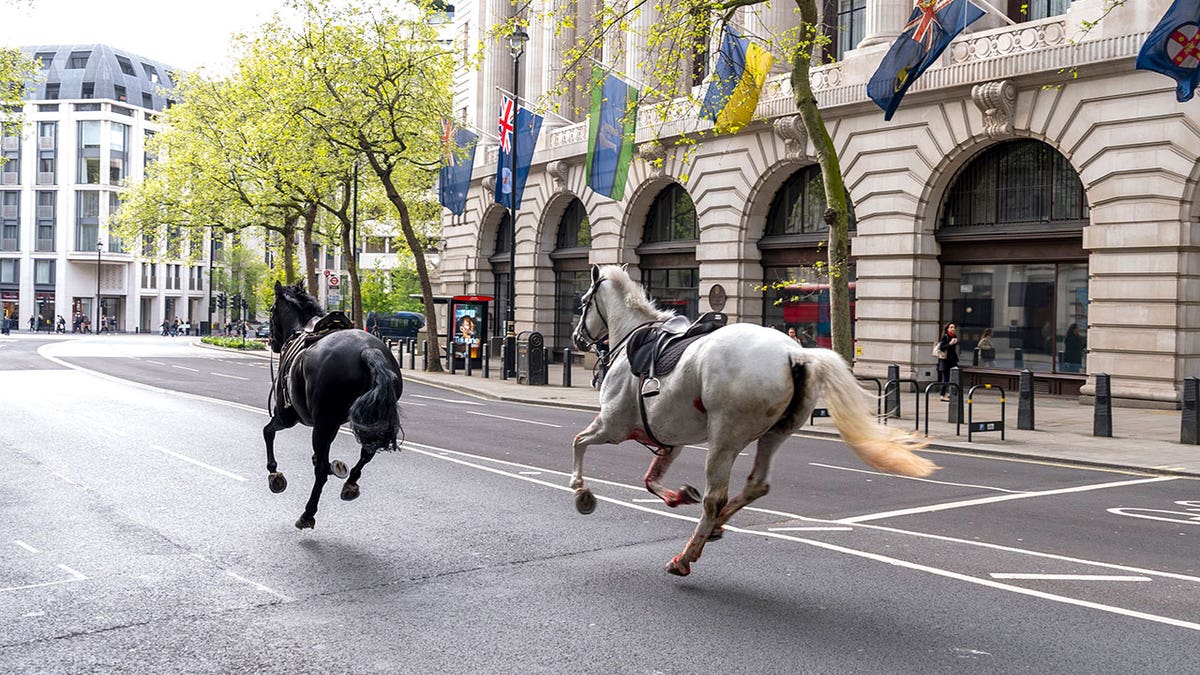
(738,384)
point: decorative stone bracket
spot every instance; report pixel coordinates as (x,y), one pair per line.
(795,138)
(997,101)
(489,183)
(655,156)
(559,170)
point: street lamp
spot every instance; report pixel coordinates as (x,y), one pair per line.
(99,248)
(516,45)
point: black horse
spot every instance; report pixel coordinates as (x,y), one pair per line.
(328,374)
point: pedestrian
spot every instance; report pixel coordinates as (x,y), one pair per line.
(1073,348)
(103,328)
(792,334)
(987,351)
(32,324)
(946,351)
(4,324)
(87,325)
(165,326)
(62,324)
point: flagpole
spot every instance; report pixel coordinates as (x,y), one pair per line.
(506,92)
(609,69)
(992,10)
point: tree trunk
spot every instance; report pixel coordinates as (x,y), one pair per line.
(310,267)
(289,250)
(837,215)
(352,267)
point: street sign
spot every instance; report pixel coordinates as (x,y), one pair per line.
(326,273)
(334,298)
(334,281)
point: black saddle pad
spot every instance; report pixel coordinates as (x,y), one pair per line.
(652,346)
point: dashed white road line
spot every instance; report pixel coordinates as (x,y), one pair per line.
(75,576)
(814,528)
(194,370)
(513,419)
(447,400)
(1068,577)
(232,377)
(198,463)
(25,546)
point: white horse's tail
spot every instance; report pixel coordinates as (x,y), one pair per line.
(878,446)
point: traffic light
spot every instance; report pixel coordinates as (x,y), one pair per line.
(245,304)
(221,300)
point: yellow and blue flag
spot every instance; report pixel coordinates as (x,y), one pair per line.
(454,178)
(930,28)
(612,126)
(732,96)
(1173,48)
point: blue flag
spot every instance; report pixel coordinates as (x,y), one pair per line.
(1173,48)
(454,179)
(525,133)
(612,127)
(930,28)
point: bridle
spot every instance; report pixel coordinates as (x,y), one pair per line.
(591,340)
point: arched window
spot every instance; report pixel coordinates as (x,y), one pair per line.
(500,272)
(668,252)
(572,275)
(672,217)
(799,205)
(1015,183)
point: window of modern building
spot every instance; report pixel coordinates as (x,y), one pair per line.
(151,73)
(118,144)
(45,59)
(376,245)
(43,272)
(87,220)
(147,100)
(89,152)
(52,89)
(572,274)
(668,251)
(115,244)
(1013,261)
(47,135)
(149,275)
(174,242)
(119,92)
(500,272)
(10,220)
(46,219)
(78,60)
(10,154)
(88,90)
(10,271)
(126,65)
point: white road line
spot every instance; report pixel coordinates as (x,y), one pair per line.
(78,576)
(815,528)
(25,546)
(530,473)
(232,377)
(922,480)
(75,576)
(255,584)
(1000,498)
(1068,577)
(513,419)
(647,500)
(447,400)
(185,368)
(198,463)
(408,403)
(157,363)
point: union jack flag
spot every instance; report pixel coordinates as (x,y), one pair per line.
(922,24)
(507,122)
(448,149)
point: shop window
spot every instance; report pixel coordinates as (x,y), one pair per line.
(672,217)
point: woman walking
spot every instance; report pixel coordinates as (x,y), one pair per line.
(947,355)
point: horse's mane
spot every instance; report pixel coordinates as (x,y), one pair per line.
(304,302)
(634,294)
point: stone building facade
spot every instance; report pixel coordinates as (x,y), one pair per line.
(1032,183)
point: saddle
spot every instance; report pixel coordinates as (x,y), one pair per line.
(317,328)
(654,350)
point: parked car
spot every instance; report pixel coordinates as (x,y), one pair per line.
(263,330)
(395,325)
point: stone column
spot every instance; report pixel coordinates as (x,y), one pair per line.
(885,19)
(767,23)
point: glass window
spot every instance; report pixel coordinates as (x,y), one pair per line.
(1037,314)
(672,217)
(677,290)
(1017,182)
(500,281)
(118,140)
(851,25)
(126,65)
(799,205)
(798,297)
(9,270)
(376,245)
(78,60)
(10,221)
(87,228)
(1030,10)
(43,272)
(574,230)
(569,287)
(45,59)
(88,90)
(52,89)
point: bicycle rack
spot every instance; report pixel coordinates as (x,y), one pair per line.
(929,388)
(916,397)
(980,427)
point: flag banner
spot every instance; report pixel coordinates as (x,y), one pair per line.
(454,179)
(1173,48)
(524,132)
(741,72)
(930,28)
(612,126)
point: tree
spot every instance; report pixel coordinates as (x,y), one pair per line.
(670,61)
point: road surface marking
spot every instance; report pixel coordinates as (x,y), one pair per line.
(447,400)
(923,480)
(25,546)
(1000,498)
(255,584)
(530,473)
(423,405)
(651,500)
(815,528)
(232,377)
(75,576)
(198,463)
(185,368)
(157,363)
(1068,577)
(513,419)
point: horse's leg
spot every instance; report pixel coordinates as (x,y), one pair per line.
(275,479)
(350,489)
(716,495)
(322,438)
(756,482)
(585,501)
(658,468)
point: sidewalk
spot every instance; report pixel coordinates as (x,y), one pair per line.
(1142,438)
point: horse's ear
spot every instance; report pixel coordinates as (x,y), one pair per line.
(278,287)
(595,273)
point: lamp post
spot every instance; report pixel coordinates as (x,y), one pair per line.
(212,253)
(516,45)
(99,248)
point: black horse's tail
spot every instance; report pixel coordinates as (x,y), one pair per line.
(374,416)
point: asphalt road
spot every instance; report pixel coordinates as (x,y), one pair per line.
(139,535)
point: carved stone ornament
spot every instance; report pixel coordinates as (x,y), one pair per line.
(559,171)
(795,137)
(655,155)
(489,183)
(998,102)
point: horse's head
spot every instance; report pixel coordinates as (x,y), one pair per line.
(592,327)
(291,311)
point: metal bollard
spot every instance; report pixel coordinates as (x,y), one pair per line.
(566,366)
(891,399)
(424,354)
(1102,416)
(467,361)
(1025,401)
(955,413)
(975,356)
(412,355)
(503,360)
(1018,358)
(1189,431)
(487,358)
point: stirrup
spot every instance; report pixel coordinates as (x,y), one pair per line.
(650,387)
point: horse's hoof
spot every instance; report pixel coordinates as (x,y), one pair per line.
(689,495)
(585,501)
(276,482)
(678,567)
(717,533)
(349,492)
(338,468)
(306,522)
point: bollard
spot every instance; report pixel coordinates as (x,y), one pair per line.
(1102,417)
(467,361)
(975,356)
(424,354)
(1189,432)
(412,355)
(566,366)
(487,357)
(1025,401)
(955,413)
(503,360)
(1018,358)
(450,355)
(891,398)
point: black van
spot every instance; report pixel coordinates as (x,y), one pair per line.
(396,325)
